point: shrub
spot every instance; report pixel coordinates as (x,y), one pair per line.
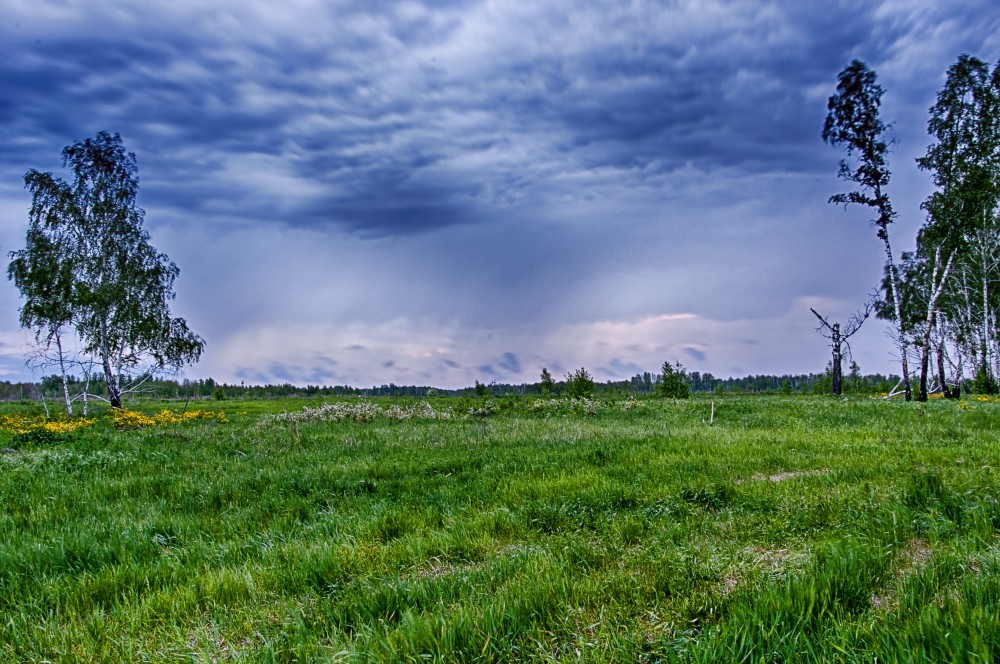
(983,383)
(37,438)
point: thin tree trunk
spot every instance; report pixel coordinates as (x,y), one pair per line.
(838,370)
(897,308)
(925,353)
(938,288)
(114,389)
(959,371)
(62,371)
(86,387)
(942,376)
(987,366)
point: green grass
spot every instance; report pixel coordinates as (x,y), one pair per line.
(789,529)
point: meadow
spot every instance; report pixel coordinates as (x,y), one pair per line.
(733,528)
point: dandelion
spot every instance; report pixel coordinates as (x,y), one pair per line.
(20,424)
(130,419)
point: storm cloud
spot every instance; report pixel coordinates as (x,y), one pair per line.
(437,192)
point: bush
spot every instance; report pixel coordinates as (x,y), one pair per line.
(38,437)
(983,383)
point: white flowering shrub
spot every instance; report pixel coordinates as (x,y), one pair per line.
(394,412)
(543,406)
(630,404)
(585,405)
(361,412)
(484,410)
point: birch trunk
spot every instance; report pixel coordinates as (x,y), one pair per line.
(110,378)
(937,289)
(898,310)
(62,372)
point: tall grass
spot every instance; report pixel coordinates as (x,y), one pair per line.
(788,529)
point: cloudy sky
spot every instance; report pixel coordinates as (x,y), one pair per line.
(370,191)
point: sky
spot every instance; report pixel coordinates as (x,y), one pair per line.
(369,191)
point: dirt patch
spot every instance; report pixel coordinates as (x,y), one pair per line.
(436,568)
(913,558)
(771,559)
(785,475)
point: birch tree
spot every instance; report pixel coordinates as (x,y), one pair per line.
(853,122)
(88,266)
(962,225)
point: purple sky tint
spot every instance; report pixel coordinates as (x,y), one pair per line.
(438,192)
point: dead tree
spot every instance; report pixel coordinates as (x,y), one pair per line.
(838,339)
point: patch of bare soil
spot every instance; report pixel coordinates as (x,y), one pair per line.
(913,558)
(435,568)
(786,475)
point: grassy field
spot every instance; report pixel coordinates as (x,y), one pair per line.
(780,529)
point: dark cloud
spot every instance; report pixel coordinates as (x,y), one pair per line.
(695,353)
(617,369)
(284,373)
(394,159)
(510,363)
(398,216)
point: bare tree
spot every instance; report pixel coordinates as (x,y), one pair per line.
(838,337)
(55,352)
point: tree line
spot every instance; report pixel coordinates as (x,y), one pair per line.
(641,384)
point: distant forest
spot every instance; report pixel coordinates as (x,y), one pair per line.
(639,384)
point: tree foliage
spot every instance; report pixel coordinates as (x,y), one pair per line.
(674,383)
(579,383)
(853,122)
(88,267)
(547,382)
(962,221)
